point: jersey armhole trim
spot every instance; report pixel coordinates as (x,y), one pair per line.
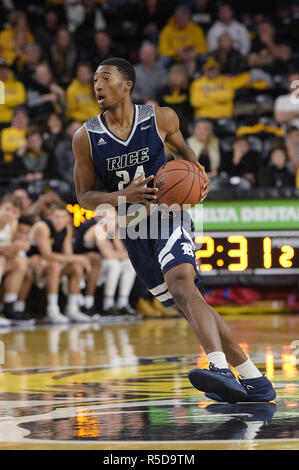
(156,125)
(90,146)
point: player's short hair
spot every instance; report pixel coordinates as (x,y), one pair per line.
(57,206)
(26,220)
(123,66)
(13,199)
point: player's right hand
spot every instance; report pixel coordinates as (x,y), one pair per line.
(137,190)
(84,262)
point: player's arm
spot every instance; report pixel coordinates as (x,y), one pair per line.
(169,129)
(41,235)
(85,180)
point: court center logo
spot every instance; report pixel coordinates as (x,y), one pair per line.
(2,92)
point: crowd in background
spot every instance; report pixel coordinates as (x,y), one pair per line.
(230,71)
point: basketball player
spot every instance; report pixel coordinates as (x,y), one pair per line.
(13,266)
(51,239)
(123,147)
(116,270)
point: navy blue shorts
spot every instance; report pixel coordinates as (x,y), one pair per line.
(169,243)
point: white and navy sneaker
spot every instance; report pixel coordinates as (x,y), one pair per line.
(259,389)
(218,381)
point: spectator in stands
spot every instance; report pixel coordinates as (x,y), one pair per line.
(292,145)
(242,161)
(226,23)
(17,24)
(266,52)
(286,107)
(41,208)
(44,95)
(176,95)
(64,156)
(63,57)
(154,16)
(230,59)
(206,147)
(31,160)
(51,239)
(191,62)
(203,13)
(26,200)
(25,70)
(20,43)
(179,33)
(12,137)
(125,27)
(80,98)
(14,94)
(212,95)
(46,33)
(13,266)
(151,76)
(275,173)
(54,132)
(84,19)
(102,48)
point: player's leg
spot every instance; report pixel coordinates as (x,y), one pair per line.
(14,274)
(112,269)
(74,272)
(3,321)
(20,304)
(51,273)
(257,386)
(219,379)
(91,281)
(126,282)
(180,282)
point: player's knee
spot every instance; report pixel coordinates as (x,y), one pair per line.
(54,268)
(21,264)
(76,270)
(178,290)
(182,289)
(96,259)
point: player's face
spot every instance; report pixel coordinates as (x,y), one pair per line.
(110,86)
(60,219)
(9,212)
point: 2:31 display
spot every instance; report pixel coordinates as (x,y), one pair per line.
(237,252)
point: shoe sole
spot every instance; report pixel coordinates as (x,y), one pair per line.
(266,398)
(211,382)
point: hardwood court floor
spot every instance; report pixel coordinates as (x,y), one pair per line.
(124,386)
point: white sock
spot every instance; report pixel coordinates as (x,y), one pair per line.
(108,302)
(122,302)
(218,359)
(19,306)
(10,298)
(248,370)
(73,301)
(89,301)
(52,300)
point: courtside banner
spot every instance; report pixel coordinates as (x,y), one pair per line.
(266,214)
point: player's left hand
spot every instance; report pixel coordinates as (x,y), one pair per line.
(206,184)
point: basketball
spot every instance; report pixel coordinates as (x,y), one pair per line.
(179,182)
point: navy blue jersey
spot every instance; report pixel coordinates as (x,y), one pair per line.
(117,162)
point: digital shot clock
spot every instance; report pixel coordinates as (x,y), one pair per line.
(248,256)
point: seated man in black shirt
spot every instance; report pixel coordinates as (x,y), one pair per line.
(275,173)
(242,161)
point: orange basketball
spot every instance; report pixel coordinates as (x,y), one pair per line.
(179,182)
